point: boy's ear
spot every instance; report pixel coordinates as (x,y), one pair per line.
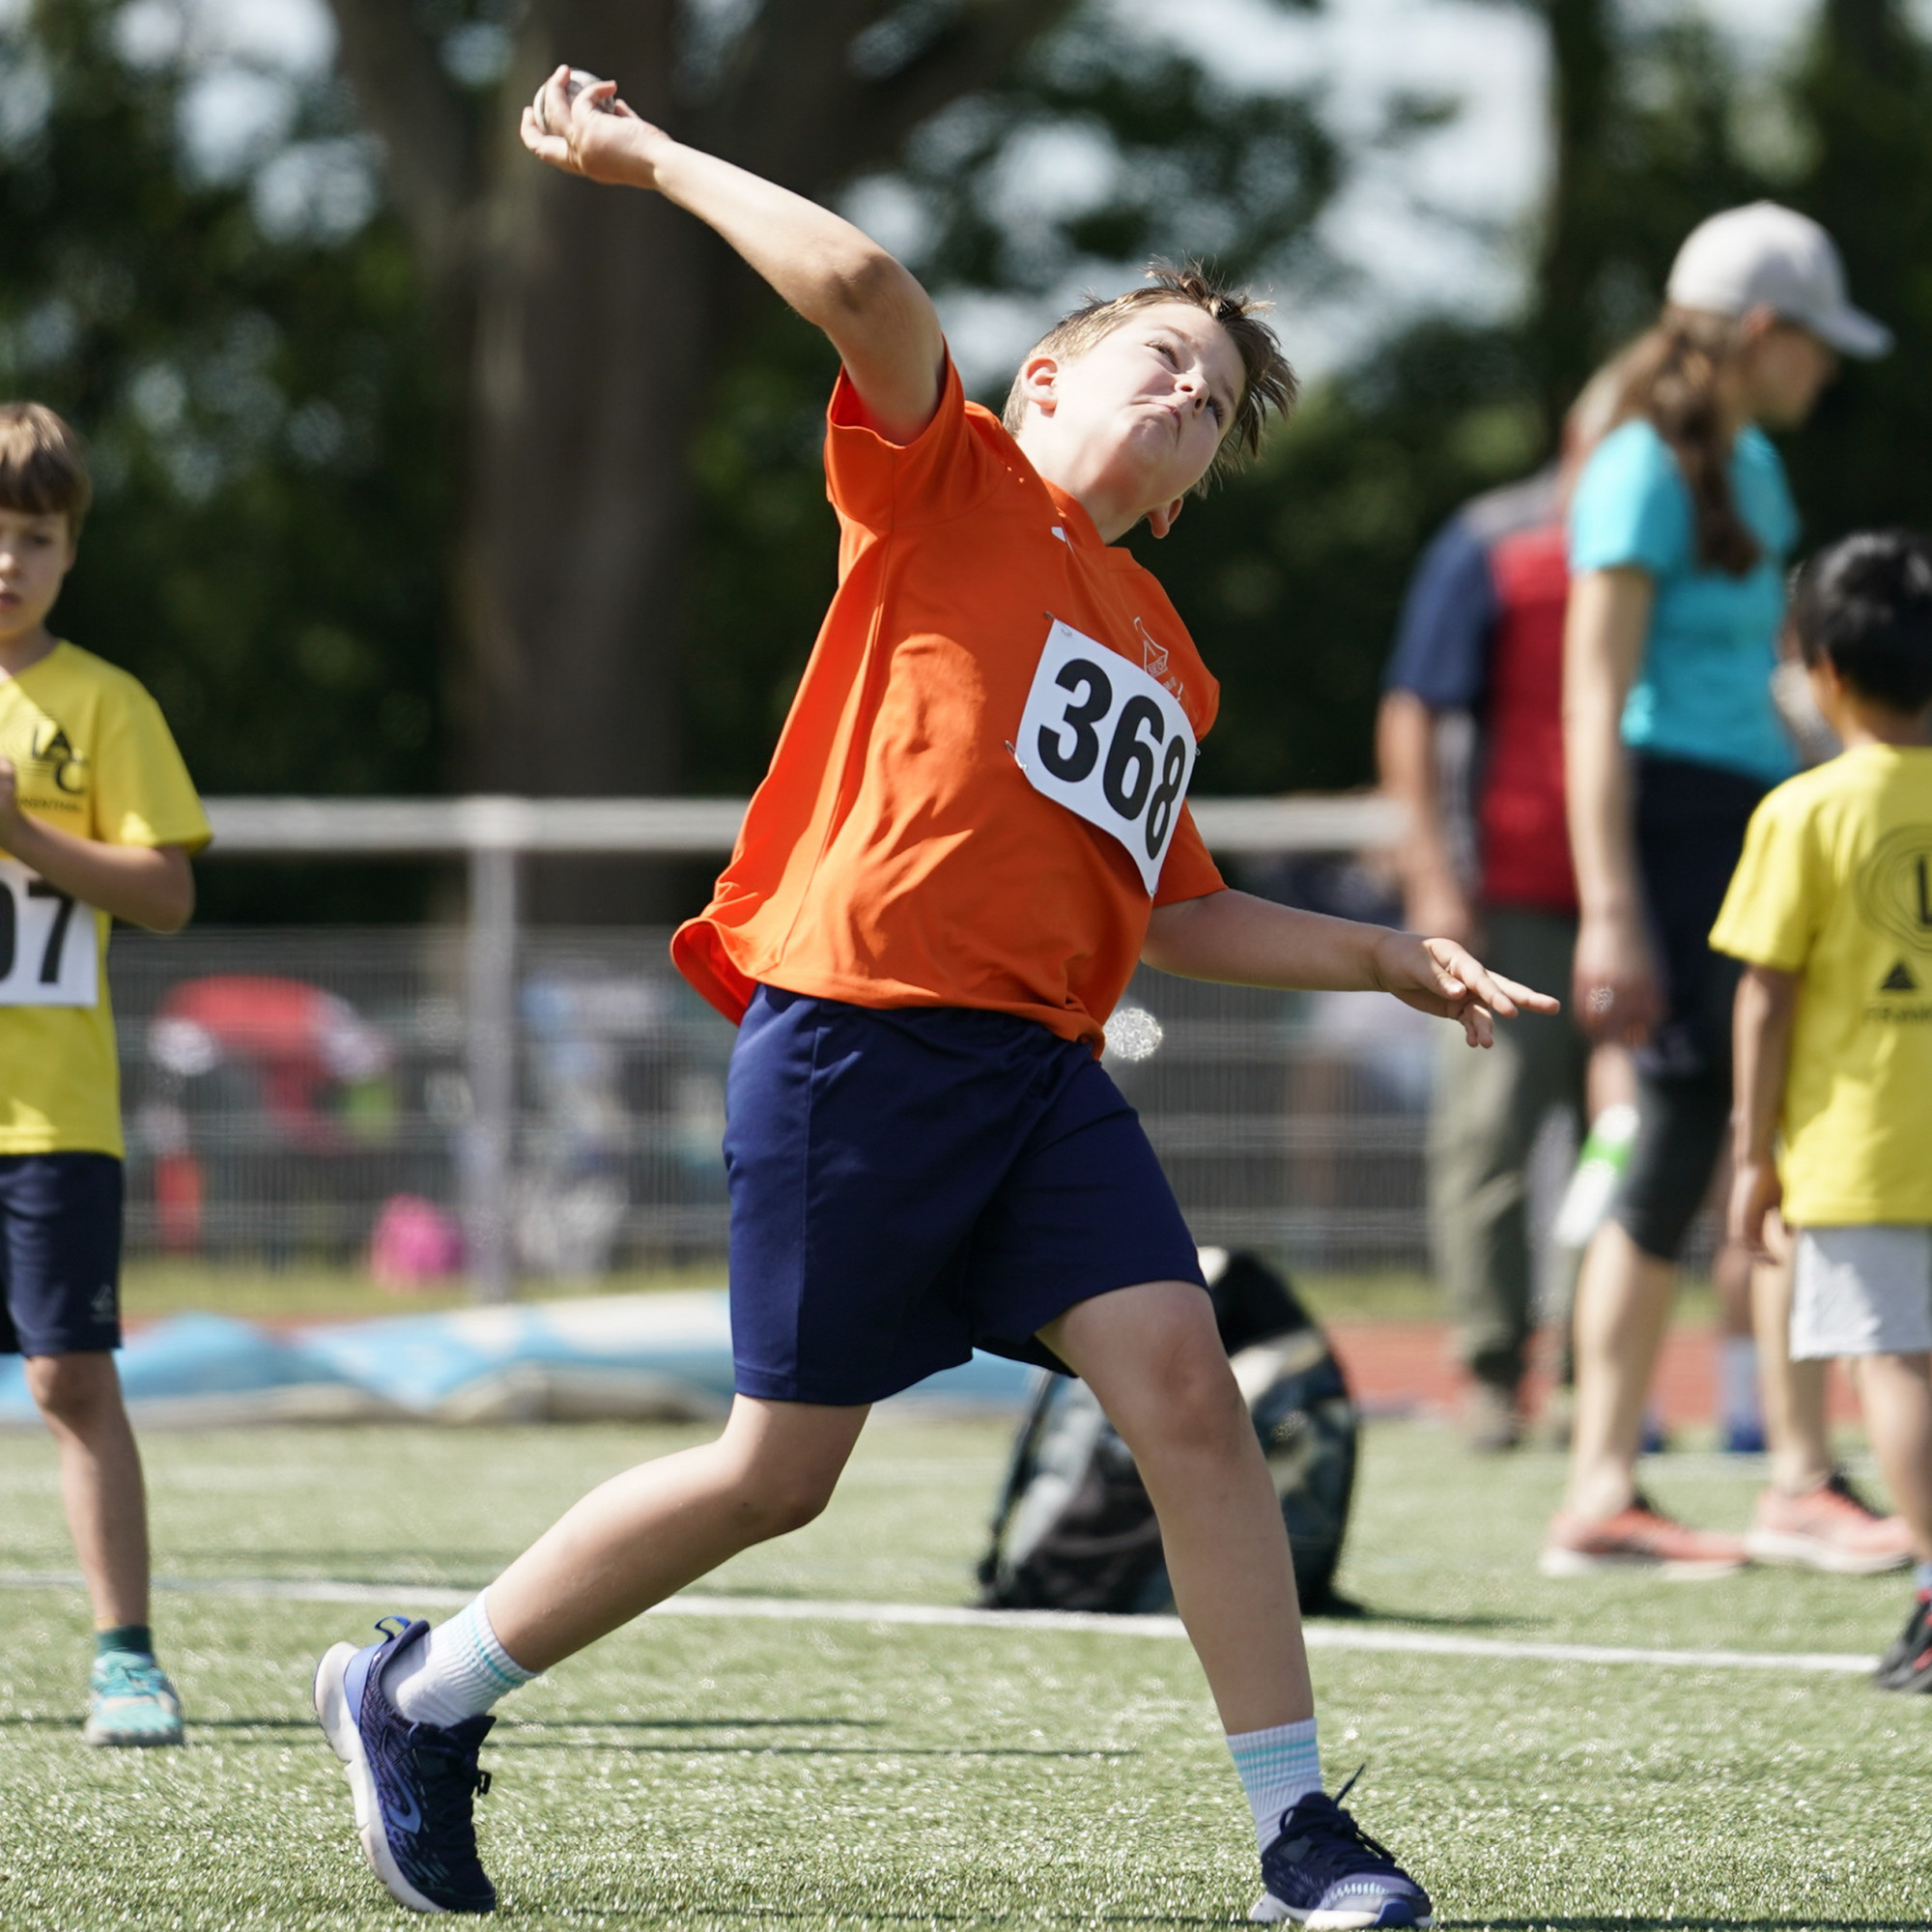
(1164,518)
(1040,376)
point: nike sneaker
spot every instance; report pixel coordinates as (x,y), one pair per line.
(1908,1665)
(1831,1527)
(1639,1536)
(414,1783)
(1325,1873)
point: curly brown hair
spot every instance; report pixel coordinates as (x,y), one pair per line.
(1270,388)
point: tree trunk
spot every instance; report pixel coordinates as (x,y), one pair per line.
(1582,62)
(590,320)
(591,354)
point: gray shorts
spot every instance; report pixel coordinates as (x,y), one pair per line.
(1865,1290)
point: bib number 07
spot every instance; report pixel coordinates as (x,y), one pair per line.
(47,954)
(1108,742)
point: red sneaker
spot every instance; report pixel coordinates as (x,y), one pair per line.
(1831,1527)
(1639,1536)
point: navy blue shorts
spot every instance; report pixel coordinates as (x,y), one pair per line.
(909,1183)
(60,1253)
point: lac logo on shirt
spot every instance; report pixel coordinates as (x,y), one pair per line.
(53,775)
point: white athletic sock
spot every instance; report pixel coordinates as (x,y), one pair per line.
(456,1671)
(1276,1767)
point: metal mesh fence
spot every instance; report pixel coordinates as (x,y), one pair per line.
(301,1094)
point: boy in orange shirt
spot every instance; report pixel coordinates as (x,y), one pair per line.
(973,827)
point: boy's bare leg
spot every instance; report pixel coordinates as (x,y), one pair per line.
(1155,1361)
(1793,1392)
(1623,1303)
(1896,1391)
(643,1536)
(79,1397)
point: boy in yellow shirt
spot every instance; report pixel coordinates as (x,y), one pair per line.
(1830,910)
(97,818)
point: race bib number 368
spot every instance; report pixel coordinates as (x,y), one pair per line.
(47,954)
(1107,741)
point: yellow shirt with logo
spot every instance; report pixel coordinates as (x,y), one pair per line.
(1835,885)
(94,757)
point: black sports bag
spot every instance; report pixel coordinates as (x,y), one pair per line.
(1074,1529)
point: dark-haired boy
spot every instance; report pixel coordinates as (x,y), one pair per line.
(98,817)
(1830,910)
(973,827)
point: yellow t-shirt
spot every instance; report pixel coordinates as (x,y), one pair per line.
(96,758)
(1835,885)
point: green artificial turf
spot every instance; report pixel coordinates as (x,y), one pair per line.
(734,1773)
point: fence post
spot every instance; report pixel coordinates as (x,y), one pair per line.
(491,974)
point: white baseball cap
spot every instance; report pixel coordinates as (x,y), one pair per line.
(1767,256)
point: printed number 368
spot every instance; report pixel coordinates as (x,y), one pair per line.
(1136,776)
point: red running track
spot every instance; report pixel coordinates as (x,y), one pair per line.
(1397,1368)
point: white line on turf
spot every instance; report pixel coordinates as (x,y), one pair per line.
(790,1609)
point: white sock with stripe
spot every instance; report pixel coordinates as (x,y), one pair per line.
(456,1671)
(1276,1767)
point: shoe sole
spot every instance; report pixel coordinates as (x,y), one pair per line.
(1269,1910)
(1559,1562)
(338,1726)
(130,1741)
(1806,1552)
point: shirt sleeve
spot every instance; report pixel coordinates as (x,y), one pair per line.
(1631,510)
(1187,872)
(1772,912)
(1448,619)
(941,474)
(142,792)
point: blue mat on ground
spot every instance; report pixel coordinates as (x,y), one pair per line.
(641,1358)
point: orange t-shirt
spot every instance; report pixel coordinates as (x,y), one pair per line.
(895,854)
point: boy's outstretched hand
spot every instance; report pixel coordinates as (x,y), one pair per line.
(1439,976)
(587,130)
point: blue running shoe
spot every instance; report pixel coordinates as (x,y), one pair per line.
(412,1782)
(1325,1873)
(131,1702)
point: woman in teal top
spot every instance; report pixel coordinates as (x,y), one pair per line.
(1680,532)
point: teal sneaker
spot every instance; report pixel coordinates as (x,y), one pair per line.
(133,1703)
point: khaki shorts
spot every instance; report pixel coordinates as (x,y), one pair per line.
(1862,1291)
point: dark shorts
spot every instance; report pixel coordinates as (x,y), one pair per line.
(60,1253)
(911,1183)
(1690,822)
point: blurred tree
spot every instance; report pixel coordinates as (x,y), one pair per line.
(257,555)
(1864,89)
(594,325)
(1166,163)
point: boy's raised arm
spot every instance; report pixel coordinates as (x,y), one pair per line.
(880,320)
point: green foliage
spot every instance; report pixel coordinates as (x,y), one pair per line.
(1292,576)
(1183,167)
(1866,87)
(276,427)
(269,430)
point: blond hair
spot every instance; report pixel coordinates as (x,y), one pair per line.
(43,466)
(1269,387)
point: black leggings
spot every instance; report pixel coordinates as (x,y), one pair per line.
(1691,824)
